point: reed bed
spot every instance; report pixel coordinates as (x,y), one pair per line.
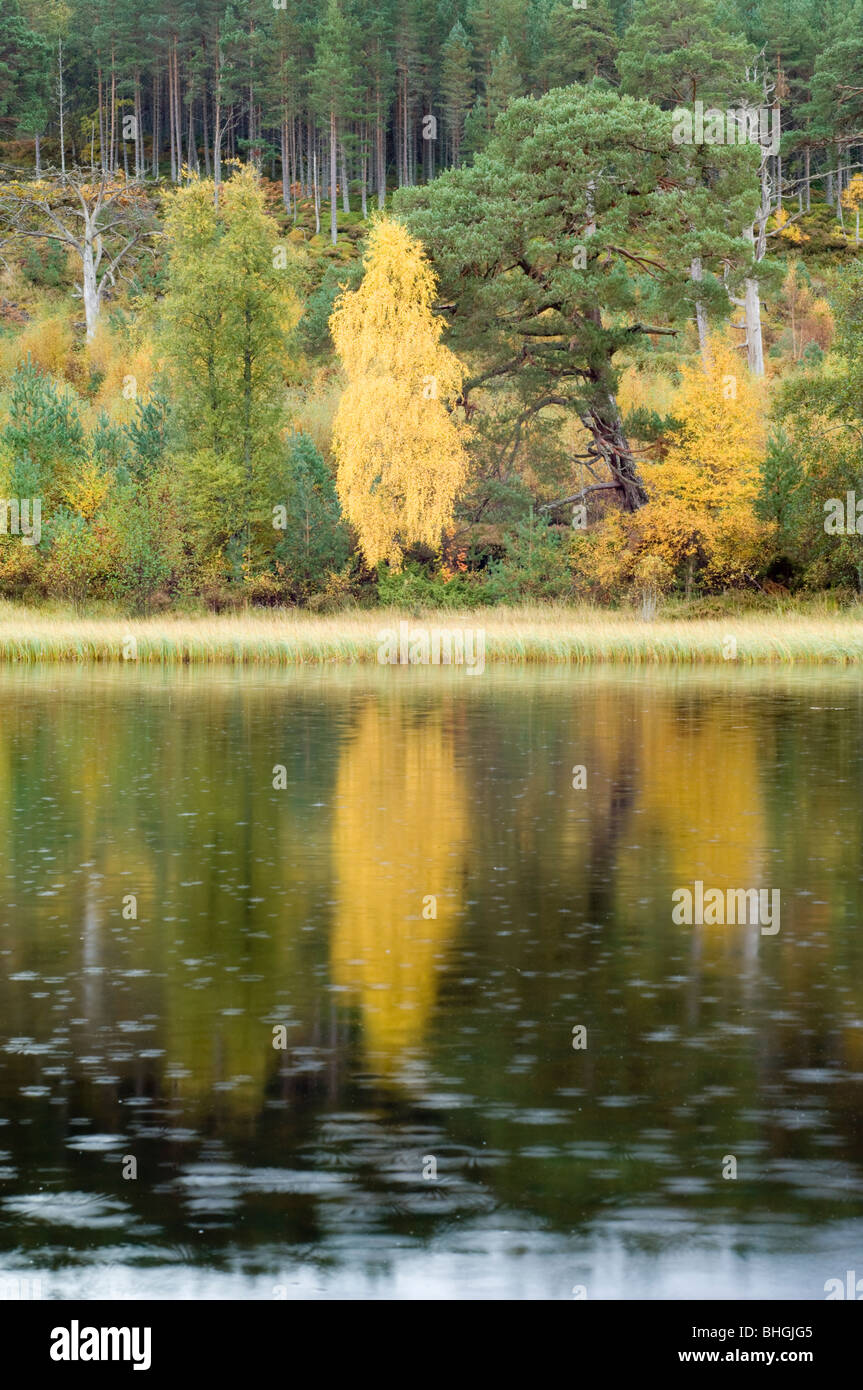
(516,636)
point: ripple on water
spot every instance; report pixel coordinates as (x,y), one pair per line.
(80,1210)
(96,1143)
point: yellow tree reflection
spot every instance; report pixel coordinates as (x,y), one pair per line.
(398,850)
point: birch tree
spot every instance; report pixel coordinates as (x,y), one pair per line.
(104,223)
(400,456)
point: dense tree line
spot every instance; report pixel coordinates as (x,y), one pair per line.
(554,316)
(343,98)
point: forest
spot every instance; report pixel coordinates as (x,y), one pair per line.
(477,302)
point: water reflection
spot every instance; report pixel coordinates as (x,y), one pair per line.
(427,907)
(399,832)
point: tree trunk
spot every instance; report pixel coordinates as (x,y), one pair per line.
(205,133)
(139,130)
(756,235)
(334,229)
(217,128)
(317,188)
(112,146)
(754,341)
(178,115)
(603,422)
(101,125)
(191,143)
(294,175)
(346,204)
(90,289)
(701,315)
(286,177)
(157,92)
(380,152)
(171,136)
(62,117)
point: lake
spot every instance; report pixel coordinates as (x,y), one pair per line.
(367,984)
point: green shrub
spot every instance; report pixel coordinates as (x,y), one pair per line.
(415,588)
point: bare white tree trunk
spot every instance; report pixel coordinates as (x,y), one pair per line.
(701,315)
(754,340)
(81,228)
(756,233)
(89,287)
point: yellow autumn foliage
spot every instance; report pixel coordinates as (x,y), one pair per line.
(400,457)
(701,514)
(788,230)
(852,194)
(808,315)
(87,490)
(702,493)
(46,341)
(125,367)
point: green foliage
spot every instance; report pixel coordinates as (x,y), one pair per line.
(45,267)
(582,44)
(542,247)
(225,336)
(341,91)
(417,586)
(43,436)
(143,539)
(74,563)
(312,332)
(649,426)
(314,542)
(677,51)
(536,566)
(817,452)
(780,481)
(24,69)
(148,434)
(457,87)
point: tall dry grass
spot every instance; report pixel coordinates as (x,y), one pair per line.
(576,636)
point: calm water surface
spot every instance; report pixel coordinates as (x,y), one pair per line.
(165,911)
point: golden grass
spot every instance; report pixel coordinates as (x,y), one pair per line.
(554,635)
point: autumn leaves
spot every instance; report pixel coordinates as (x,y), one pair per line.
(400,453)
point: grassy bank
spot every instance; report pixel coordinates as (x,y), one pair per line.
(574,636)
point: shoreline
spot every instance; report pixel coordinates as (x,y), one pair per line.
(472,639)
